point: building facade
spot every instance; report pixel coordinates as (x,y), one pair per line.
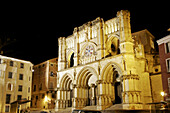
(15,82)
(164,53)
(102,63)
(44,84)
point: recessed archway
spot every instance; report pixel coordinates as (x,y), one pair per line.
(111,75)
(66,91)
(87,87)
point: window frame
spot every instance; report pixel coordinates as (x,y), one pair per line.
(21,77)
(11,63)
(20,87)
(168,65)
(10,75)
(22,65)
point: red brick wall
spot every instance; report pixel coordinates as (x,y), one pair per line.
(163,56)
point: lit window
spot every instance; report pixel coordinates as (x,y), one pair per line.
(168,47)
(9,86)
(7,108)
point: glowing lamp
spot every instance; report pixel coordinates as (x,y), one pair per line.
(162,93)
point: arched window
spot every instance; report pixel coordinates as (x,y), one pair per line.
(72,60)
(9,86)
(113,48)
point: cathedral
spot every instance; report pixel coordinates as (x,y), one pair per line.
(102,64)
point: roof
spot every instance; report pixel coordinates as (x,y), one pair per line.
(14,59)
(163,40)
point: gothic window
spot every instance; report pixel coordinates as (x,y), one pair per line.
(72,60)
(89,51)
(113,48)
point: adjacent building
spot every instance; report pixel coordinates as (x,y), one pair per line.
(164,53)
(15,82)
(102,64)
(44,84)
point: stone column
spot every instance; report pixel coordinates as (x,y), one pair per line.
(93,96)
(131,93)
(76,46)
(100,38)
(101,96)
(62,53)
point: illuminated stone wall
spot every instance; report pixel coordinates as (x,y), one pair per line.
(110,65)
(9,83)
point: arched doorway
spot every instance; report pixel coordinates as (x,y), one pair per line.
(65,94)
(111,76)
(86,88)
(117,88)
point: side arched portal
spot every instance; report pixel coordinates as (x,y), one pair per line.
(110,85)
(65,93)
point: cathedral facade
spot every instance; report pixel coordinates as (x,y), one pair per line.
(102,63)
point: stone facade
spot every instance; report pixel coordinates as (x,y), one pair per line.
(15,82)
(102,63)
(44,84)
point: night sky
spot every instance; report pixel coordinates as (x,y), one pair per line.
(34,28)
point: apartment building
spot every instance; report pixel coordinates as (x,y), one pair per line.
(44,84)
(15,82)
(164,53)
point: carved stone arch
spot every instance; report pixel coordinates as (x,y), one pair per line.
(112,42)
(110,66)
(63,79)
(70,59)
(82,75)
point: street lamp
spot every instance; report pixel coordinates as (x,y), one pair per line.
(48,100)
(162,93)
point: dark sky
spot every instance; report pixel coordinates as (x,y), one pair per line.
(36,27)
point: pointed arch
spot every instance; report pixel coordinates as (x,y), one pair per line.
(84,75)
(110,67)
(66,81)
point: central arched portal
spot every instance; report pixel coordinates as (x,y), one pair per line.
(86,88)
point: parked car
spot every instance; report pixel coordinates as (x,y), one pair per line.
(85,111)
